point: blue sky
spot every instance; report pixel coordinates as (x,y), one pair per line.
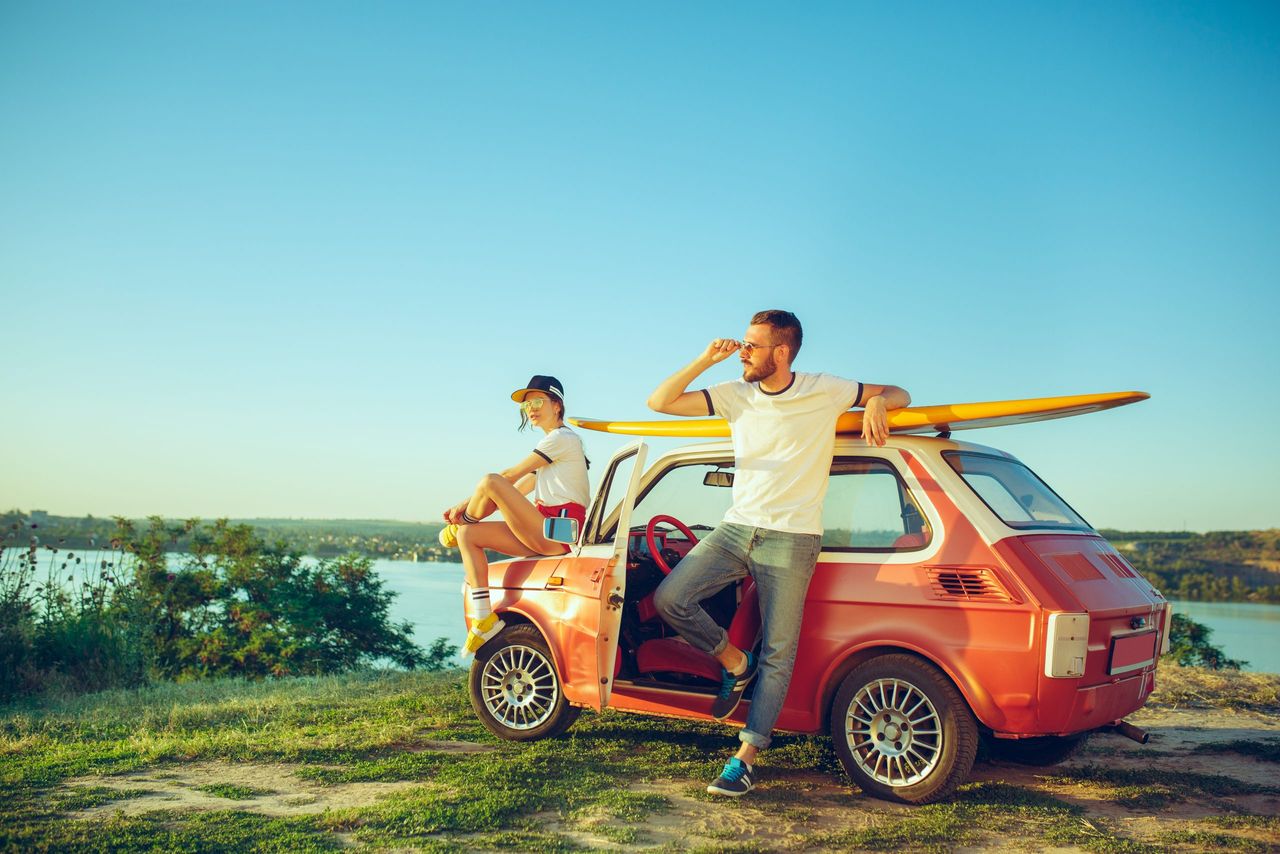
(289,259)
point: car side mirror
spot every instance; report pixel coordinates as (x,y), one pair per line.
(560,529)
(718,478)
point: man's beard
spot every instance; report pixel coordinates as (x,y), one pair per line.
(765,370)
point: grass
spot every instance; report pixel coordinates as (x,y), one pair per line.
(234,792)
(1266,749)
(88,797)
(1153,788)
(601,784)
(983,814)
(1197,687)
(1207,840)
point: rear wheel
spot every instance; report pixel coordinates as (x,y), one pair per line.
(902,730)
(1040,752)
(515,689)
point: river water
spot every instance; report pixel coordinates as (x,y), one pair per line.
(431,600)
(1245,630)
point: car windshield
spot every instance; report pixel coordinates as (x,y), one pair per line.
(1013,492)
(683,492)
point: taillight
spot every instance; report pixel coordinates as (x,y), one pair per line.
(1164,630)
(1068,644)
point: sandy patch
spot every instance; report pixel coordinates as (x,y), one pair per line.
(278,791)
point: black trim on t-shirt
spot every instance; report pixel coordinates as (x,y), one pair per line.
(857,401)
(781,390)
(711,410)
(544,456)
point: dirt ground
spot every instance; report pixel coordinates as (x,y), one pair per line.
(821,803)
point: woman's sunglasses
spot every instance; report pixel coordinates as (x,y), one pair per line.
(533,404)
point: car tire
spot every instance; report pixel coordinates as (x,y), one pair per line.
(902,730)
(515,689)
(1040,752)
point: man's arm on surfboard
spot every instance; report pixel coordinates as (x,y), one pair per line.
(670,396)
(877,400)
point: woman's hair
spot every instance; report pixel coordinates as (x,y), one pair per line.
(555,400)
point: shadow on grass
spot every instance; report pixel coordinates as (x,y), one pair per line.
(1153,788)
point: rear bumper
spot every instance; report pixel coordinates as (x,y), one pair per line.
(1065,709)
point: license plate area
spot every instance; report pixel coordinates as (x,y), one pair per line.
(1132,652)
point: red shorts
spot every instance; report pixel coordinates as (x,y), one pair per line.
(572,510)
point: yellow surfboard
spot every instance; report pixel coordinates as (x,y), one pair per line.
(914,419)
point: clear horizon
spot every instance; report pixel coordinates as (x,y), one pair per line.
(289,260)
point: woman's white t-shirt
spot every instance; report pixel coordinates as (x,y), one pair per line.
(564,479)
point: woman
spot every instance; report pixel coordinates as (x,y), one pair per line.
(556,474)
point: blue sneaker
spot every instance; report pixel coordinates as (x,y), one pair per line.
(732,685)
(735,780)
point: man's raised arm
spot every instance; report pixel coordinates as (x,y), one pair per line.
(670,396)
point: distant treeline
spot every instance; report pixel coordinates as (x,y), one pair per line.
(317,537)
(1219,566)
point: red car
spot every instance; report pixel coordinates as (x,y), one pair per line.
(957,598)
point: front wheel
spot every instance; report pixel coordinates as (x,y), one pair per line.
(902,730)
(515,689)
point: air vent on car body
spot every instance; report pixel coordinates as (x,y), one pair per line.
(1075,566)
(967,583)
(1120,565)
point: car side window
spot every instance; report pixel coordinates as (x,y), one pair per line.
(869,508)
(609,495)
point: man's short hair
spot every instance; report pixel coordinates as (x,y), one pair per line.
(786,328)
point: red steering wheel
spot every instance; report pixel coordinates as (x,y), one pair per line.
(652,541)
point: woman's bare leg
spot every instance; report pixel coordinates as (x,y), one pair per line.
(474,539)
(479,507)
(522,518)
(472,542)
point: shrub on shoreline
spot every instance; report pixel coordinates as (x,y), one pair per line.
(235,605)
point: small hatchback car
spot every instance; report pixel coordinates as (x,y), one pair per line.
(957,598)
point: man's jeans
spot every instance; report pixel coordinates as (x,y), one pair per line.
(782,564)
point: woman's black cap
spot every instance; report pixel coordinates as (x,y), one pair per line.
(538,382)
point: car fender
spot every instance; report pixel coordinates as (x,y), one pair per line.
(979,700)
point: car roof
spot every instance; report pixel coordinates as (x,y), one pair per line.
(848,445)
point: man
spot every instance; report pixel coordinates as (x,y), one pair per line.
(783,426)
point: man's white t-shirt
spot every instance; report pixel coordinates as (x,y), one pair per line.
(565,478)
(782,443)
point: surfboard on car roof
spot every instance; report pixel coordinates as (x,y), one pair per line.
(940,418)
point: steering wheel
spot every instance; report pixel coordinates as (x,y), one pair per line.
(652,541)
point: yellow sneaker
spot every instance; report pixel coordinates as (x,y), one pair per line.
(482,631)
(449,536)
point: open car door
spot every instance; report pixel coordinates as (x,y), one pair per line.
(612,511)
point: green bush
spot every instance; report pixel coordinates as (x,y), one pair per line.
(231,605)
(239,606)
(70,631)
(1189,646)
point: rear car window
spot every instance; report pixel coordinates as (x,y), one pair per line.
(1013,492)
